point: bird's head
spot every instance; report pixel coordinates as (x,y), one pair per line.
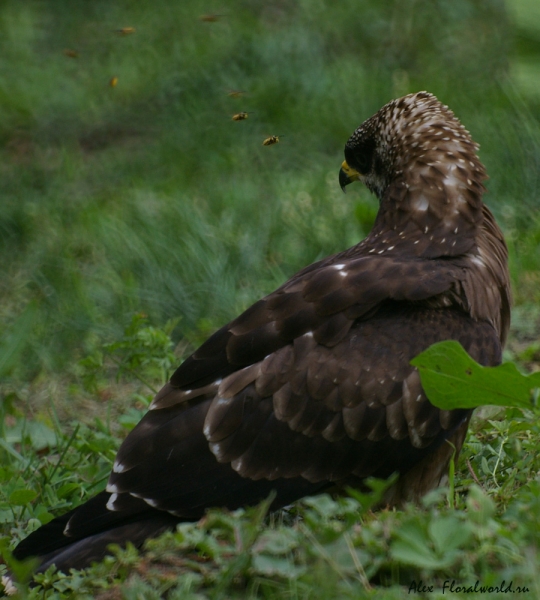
(363,162)
(370,152)
(404,140)
(422,164)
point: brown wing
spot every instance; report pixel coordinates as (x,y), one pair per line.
(304,417)
(324,299)
(299,421)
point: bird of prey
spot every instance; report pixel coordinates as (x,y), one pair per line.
(310,389)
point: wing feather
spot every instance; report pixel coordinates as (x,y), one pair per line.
(323,300)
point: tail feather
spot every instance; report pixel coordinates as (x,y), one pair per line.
(96,527)
(82,535)
(82,553)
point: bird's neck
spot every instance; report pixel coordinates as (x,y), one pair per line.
(469,239)
(433,208)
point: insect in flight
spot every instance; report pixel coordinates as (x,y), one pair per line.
(210,18)
(241,116)
(70,53)
(270,141)
(235,93)
(113,81)
(125,30)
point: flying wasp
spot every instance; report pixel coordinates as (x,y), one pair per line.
(210,18)
(113,81)
(70,53)
(270,141)
(125,31)
(241,116)
(235,93)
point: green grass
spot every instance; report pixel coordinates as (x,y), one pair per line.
(148,198)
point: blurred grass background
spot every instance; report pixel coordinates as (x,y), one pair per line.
(146,196)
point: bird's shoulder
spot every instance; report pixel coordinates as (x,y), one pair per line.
(325,299)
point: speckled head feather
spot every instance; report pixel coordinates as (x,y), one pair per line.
(421,162)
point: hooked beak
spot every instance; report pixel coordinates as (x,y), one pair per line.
(347,175)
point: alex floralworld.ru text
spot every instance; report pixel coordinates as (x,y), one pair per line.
(451,586)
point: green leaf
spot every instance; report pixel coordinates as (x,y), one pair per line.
(68,488)
(378,488)
(449,533)
(22,497)
(414,536)
(43,514)
(279,541)
(265,564)
(418,557)
(41,436)
(452,379)
(413,547)
(481,508)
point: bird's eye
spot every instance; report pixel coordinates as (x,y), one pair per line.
(362,162)
(360,156)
